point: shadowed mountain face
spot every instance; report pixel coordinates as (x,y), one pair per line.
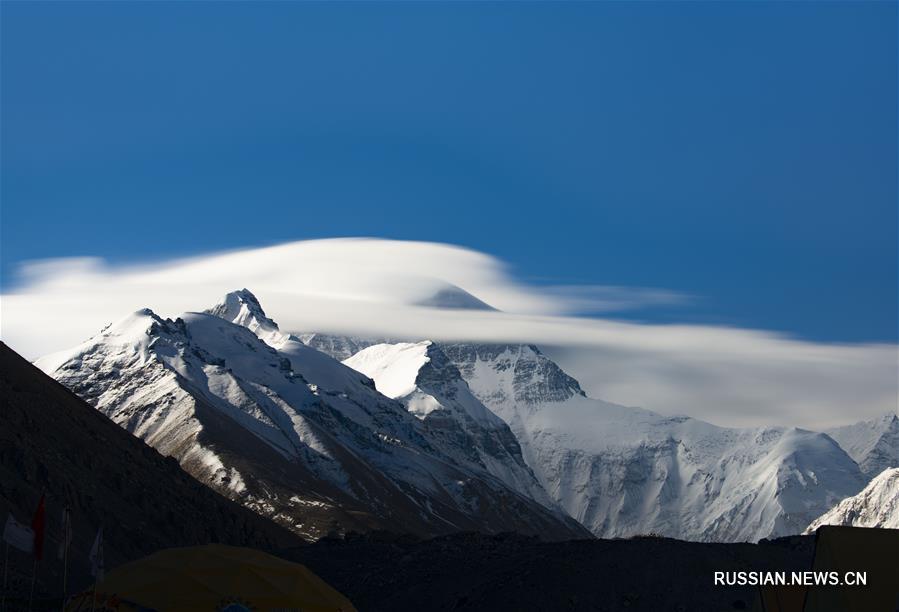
(54,443)
(430,387)
(337,346)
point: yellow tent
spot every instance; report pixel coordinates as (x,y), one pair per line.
(215,578)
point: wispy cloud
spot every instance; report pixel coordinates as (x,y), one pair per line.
(595,299)
(368,286)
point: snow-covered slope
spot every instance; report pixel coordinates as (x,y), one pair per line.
(624,471)
(423,379)
(873,444)
(876,506)
(288,431)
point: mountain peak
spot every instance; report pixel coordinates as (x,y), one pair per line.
(139,328)
(453,297)
(243,308)
(520,372)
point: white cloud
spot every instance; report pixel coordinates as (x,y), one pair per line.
(368,286)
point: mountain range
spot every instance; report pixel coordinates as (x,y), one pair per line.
(625,471)
(431,438)
(290,432)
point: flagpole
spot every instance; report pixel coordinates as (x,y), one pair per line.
(37,527)
(98,563)
(65,571)
(33,575)
(5,568)
(66,531)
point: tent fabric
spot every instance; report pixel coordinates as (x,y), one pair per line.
(782,598)
(874,551)
(850,549)
(214,578)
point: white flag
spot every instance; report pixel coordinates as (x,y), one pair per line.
(66,532)
(96,556)
(18,535)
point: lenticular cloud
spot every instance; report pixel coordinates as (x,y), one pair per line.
(421,290)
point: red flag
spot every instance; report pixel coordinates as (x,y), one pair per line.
(37,526)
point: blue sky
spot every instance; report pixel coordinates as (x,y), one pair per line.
(743,153)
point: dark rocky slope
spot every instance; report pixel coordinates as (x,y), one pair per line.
(472,572)
(53,442)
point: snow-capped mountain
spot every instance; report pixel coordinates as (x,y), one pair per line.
(432,438)
(877,505)
(431,387)
(873,444)
(453,297)
(285,429)
(624,471)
